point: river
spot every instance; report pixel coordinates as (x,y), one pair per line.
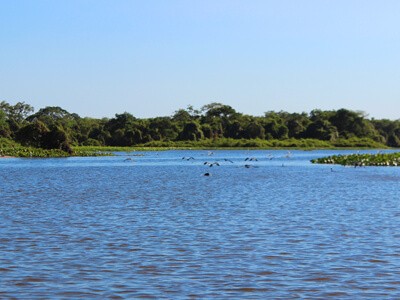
(151,225)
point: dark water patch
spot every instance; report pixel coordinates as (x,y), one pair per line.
(21,283)
(5,269)
(76,294)
(265,273)
(319,279)
(248,290)
(145,296)
(335,295)
(30,279)
(377,261)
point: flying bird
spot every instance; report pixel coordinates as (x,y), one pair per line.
(251,159)
(211,164)
(188,158)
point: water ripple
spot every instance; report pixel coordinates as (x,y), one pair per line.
(98,228)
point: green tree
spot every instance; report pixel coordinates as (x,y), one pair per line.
(182,116)
(322,130)
(163,128)
(5,130)
(15,114)
(33,134)
(56,138)
(124,130)
(235,129)
(297,124)
(218,110)
(191,132)
(253,130)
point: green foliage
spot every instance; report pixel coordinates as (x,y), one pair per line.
(355,142)
(191,132)
(389,131)
(51,114)
(7,143)
(32,134)
(240,143)
(254,130)
(18,112)
(13,149)
(14,115)
(214,125)
(297,124)
(360,160)
(322,130)
(5,130)
(181,116)
(91,142)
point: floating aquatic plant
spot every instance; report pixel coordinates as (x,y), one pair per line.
(360,160)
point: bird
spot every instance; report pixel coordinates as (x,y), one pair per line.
(187,158)
(206,174)
(211,164)
(225,159)
(251,159)
(250,166)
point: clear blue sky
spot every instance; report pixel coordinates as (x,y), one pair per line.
(150,58)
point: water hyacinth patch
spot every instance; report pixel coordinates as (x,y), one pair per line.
(361,160)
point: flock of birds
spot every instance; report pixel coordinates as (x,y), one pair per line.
(211,163)
(247,159)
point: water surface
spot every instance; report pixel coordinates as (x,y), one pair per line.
(150,225)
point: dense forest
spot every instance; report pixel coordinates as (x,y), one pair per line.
(56,128)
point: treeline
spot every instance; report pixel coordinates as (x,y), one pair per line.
(56,128)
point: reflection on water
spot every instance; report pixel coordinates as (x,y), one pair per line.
(155,227)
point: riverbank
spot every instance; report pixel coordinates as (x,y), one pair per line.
(13,149)
(226,143)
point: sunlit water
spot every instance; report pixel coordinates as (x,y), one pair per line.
(153,226)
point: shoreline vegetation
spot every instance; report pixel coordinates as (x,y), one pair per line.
(55,132)
(9,148)
(256,144)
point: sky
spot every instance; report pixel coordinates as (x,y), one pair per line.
(150,58)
